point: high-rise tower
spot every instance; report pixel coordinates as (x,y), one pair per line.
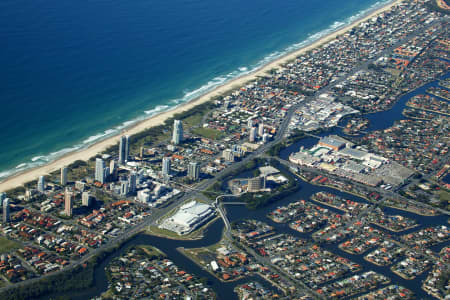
(6,210)
(132,182)
(177,136)
(64,175)
(166,166)
(194,170)
(124,148)
(100,170)
(86,199)
(252,135)
(2,197)
(41,184)
(68,202)
(260,129)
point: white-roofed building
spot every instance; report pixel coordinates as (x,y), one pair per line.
(268,170)
(189,217)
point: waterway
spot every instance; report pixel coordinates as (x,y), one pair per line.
(378,121)
(446,179)
(306,190)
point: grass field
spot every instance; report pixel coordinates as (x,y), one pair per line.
(167,233)
(444,198)
(208,133)
(7,245)
(150,250)
(193,120)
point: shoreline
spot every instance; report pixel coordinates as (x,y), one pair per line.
(392,230)
(84,154)
(184,252)
(428,110)
(367,199)
(338,189)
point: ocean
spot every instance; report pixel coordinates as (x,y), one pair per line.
(73,73)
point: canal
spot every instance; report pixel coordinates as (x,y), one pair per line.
(378,121)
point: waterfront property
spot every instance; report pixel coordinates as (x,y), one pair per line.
(144,271)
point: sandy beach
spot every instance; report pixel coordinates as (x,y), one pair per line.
(85,154)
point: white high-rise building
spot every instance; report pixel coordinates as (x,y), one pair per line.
(250,123)
(80,185)
(86,199)
(265,138)
(64,175)
(228,155)
(144,196)
(41,184)
(261,129)
(166,165)
(112,167)
(124,148)
(177,136)
(194,170)
(6,210)
(100,170)
(68,202)
(252,135)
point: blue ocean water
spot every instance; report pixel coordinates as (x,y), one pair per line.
(73,72)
